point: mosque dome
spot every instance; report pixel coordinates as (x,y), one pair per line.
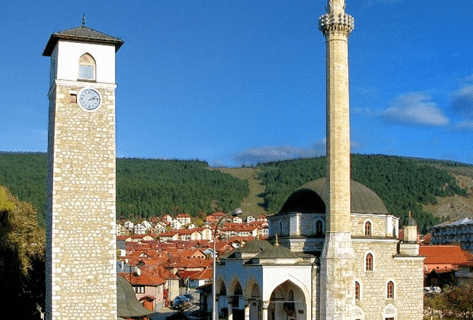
(410,221)
(310,198)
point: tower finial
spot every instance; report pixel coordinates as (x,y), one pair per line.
(83,19)
(276,243)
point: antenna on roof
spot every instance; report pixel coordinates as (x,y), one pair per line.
(83,19)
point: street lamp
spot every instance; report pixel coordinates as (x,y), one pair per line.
(234,213)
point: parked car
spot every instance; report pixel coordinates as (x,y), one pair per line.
(181,302)
(188,296)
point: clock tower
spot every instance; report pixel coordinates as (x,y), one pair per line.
(81,239)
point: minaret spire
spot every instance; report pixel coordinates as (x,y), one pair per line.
(337,260)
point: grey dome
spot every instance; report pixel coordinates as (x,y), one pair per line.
(310,198)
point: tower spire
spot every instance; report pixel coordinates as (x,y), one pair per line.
(337,260)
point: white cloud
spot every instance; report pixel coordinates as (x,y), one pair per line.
(415,108)
(279,153)
(275,153)
(462,102)
(465,125)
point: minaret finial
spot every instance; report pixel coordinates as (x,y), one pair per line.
(83,19)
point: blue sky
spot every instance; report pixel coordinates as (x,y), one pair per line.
(243,81)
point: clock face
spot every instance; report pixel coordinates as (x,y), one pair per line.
(89,99)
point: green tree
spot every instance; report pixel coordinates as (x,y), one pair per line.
(22,260)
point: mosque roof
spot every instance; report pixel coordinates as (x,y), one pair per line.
(310,198)
(256,246)
(84,34)
(277,252)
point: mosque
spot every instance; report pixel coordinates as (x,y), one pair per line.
(333,250)
(283,280)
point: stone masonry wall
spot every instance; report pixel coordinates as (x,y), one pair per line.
(81,218)
(405,272)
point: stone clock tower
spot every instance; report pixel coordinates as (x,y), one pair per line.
(81,249)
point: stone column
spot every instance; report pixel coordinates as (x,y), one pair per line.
(247,309)
(230,308)
(265,305)
(337,260)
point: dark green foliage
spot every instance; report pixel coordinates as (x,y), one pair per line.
(403,184)
(151,187)
(144,187)
(25,175)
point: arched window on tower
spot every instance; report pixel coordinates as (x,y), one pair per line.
(368,228)
(87,67)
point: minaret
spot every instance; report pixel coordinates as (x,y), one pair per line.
(81,229)
(337,260)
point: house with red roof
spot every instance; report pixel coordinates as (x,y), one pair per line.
(214,217)
(442,262)
(184,218)
(148,288)
(200,278)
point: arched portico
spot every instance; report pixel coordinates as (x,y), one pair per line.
(287,301)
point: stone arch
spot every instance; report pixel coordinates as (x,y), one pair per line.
(358,313)
(287,297)
(235,293)
(390,311)
(220,286)
(250,285)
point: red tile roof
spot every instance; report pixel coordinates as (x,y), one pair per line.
(444,255)
(201,275)
(144,279)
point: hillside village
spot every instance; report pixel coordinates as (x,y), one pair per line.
(170,256)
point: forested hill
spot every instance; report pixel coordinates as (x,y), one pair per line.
(402,183)
(152,187)
(144,187)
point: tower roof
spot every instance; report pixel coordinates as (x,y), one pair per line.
(83,34)
(310,198)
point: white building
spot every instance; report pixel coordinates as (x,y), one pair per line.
(458,232)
